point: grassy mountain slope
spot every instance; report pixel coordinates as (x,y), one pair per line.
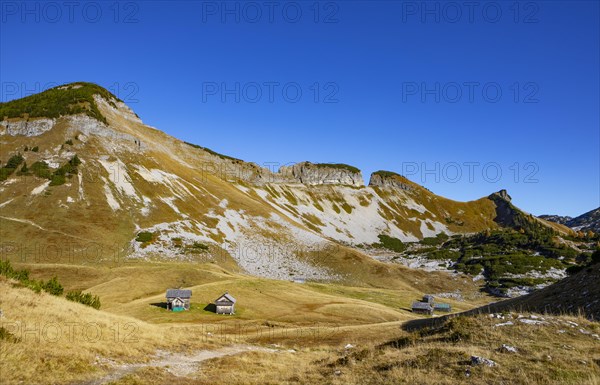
(139,193)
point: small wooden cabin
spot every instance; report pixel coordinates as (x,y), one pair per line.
(178,300)
(422,308)
(428,298)
(443,307)
(225,304)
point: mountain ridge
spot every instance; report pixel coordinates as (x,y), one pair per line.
(307,220)
(589,221)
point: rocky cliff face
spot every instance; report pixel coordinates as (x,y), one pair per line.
(506,214)
(317,174)
(389,179)
(26,127)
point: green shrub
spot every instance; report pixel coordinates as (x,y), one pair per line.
(10,167)
(69,142)
(201,246)
(52,286)
(35,149)
(41,169)
(66,170)
(5,173)
(444,254)
(437,240)
(8,271)
(84,298)
(57,180)
(390,243)
(144,236)
(554,252)
(14,161)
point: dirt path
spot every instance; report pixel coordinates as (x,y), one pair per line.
(178,364)
(31,223)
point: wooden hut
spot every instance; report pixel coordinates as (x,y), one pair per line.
(178,300)
(225,304)
(428,298)
(422,308)
(443,307)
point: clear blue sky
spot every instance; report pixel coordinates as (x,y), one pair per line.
(379,67)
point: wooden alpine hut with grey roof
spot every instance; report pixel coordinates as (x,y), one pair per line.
(225,304)
(178,299)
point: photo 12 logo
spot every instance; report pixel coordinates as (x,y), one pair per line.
(470,172)
(270,12)
(470,92)
(470,12)
(18,90)
(267,332)
(125,12)
(66,251)
(126,91)
(270,92)
(53,332)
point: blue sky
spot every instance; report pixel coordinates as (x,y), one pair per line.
(465,100)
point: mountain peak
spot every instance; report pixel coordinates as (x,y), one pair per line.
(502,194)
(67,99)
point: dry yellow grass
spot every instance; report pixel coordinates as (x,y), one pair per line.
(64,341)
(545,356)
(315,320)
(57,341)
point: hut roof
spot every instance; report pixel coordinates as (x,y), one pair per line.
(227,296)
(421,305)
(178,293)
